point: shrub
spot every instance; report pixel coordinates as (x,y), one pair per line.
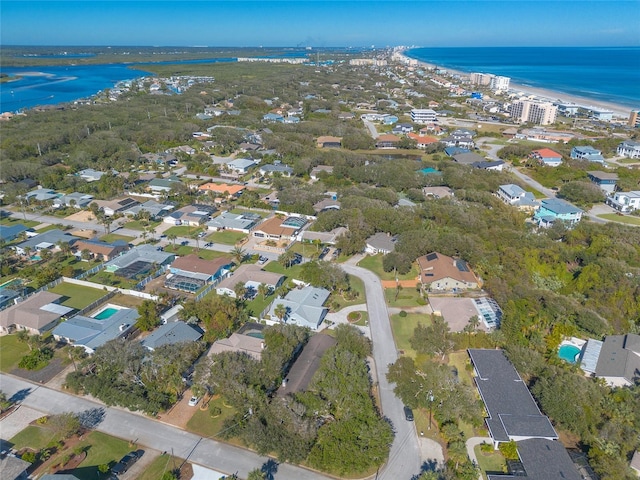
(354,316)
(29,457)
(214,411)
(42,420)
(403,313)
(486,447)
(509,450)
(36,359)
(103,468)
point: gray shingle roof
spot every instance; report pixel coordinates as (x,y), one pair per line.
(92,333)
(170,334)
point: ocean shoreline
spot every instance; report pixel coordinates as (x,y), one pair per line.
(619,110)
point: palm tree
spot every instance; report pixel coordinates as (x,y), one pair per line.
(280,311)
(263,289)
(172,237)
(286,259)
(240,290)
(239,254)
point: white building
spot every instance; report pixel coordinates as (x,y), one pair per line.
(423,115)
(625,201)
(629,149)
(541,113)
(499,83)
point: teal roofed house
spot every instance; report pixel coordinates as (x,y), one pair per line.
(553,209)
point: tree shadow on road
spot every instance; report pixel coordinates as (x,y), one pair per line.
(269,468)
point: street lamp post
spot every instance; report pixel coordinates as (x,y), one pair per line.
(430,407)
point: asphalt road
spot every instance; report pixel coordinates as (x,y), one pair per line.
(151,433)
(404,457)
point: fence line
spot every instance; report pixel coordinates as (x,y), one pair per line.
(97,303)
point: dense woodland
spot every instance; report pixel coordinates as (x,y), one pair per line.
(551,283)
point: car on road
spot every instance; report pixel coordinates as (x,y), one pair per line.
(202,234)
(126,462)
(262,260)
(408,414)
(208,244)
(193,401)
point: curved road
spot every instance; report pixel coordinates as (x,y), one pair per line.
(404,457)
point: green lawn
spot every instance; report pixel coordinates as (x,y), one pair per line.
(111,279)
(182,250)
(403,330)
(358,286)
(614,217)
(364,319)
(33,437)
(9,221)
(11,351)
(227,237)
(374,263)
(240,211)
(161,464)
(79,295)
(493,462)
(112,237)
(102,449)
(140,225)
(258,304)
(460,360)
(276,267)
(203,424)
(183,231)
(306,249)
(407,298)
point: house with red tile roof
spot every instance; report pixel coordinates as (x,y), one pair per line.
(421,140)
(547,157)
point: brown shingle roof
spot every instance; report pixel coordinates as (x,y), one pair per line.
(273,226)
(29,314)
(436,266)
(195,264)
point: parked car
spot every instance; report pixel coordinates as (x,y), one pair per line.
(193,401)
(408,414)
(262,260)
(126,462)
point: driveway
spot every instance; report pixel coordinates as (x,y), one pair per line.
(405,457)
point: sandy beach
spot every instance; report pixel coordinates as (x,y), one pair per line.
(621,111)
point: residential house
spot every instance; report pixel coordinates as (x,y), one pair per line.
(8,233)
(244,222)
(188,149)
(495,165)
(616,359)
(605,180)
(306,365)
(155,209)
(100,250)
(326,204)
(625,202)
(75,199)
(387,141)
(629,149)
(553,209)
(190,273)
(402,128)
(380,243)
(251,276)
(111,207)
(249,343)
(8,297)
(269,169)
(164,185)
(421,140)
(14,468)
(303,307)
(93,332)
(90,175)
(171,333)
(329,142)
(512,413)
(437,192)
(547,157)
(41,195)
(273,118)
(514,195)
(587,153)
(223,190)
(241,166)
(330,238)
(452,151)
(468,158)
(540,459)
(49,240)
(276,228)
(439,272)
(316,171)
(635,463)
(190,215)
(140,254)
(346,116)
(36,314)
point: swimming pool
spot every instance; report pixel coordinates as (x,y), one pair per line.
(106,313)
(568,353)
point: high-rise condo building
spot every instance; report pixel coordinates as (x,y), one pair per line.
(634,118)
(423,115)
(499,83)
(528,111)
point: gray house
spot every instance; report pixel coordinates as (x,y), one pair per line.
(303,307)
(170,334)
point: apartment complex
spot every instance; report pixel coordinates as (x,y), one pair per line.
(494,82)
(423,115)
(634,118)
(541,113)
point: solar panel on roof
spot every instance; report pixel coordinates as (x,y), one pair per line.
(432,256)
(462,265)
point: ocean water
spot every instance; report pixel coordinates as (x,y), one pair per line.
(610,74)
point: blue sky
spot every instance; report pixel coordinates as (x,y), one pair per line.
(321,23)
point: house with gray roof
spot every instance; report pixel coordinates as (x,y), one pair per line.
(11,232)
(91,332)
(90,175)
(13,468)
(587,153)
(241,165)
(141,253)
(161,185)
(75,199)
(554,209)
(155,209)
(618,359)
(284,170)
(37,314)
(251,276)
(516,196)
(540,459)
(170,334)
(380,243)
(605,180)
(191,215)
(512,413)
(7,297)
(303,307)
(248,340)
(48,240)
(244,222)
(42,195)
(468,158)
